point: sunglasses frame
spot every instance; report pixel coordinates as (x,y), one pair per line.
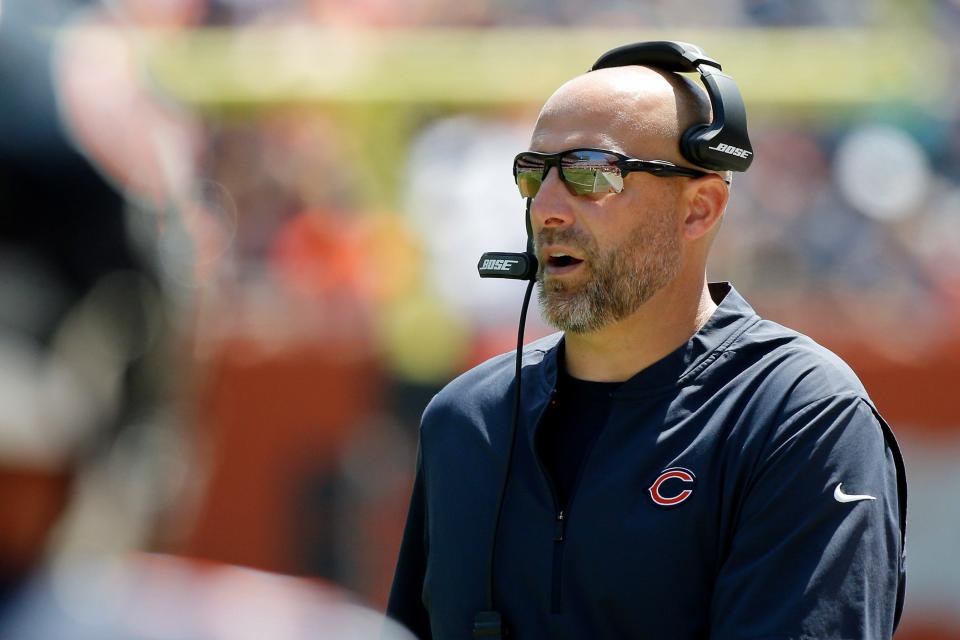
(625,164)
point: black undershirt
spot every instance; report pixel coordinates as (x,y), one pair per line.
(577,413)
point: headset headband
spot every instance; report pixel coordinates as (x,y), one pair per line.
(722,145)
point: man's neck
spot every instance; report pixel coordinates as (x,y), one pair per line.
(620,350)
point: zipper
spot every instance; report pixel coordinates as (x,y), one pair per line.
(556,601)
(560,521)
(562,515)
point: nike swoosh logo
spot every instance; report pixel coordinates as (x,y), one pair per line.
(840,496)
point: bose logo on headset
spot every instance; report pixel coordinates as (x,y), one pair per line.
(498,265)
(732,150)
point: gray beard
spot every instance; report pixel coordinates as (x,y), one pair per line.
(620,281)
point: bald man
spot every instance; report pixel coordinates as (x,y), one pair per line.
(682,469)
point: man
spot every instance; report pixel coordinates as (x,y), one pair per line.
(682,468)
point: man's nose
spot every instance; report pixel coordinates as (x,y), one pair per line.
(551,207)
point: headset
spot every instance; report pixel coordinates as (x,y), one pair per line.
(721,145)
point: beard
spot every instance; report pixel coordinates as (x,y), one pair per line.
(619,281)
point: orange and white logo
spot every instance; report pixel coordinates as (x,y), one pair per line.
(672,486)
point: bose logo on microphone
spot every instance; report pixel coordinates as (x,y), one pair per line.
(498,265)
(732,150)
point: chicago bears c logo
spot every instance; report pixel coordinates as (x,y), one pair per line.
(668,496)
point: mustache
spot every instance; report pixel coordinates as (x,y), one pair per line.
(569,236)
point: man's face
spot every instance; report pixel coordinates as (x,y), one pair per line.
(612,281)
(625,247)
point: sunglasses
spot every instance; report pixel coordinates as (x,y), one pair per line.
(587,171)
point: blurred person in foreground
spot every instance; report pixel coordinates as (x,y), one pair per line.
(682,468)
(89,451)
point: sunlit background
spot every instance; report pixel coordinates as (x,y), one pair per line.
(226,330)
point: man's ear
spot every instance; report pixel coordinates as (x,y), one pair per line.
(705,200)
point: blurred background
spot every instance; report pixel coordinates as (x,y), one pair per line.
(238,246)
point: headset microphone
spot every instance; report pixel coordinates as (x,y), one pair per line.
(514,266)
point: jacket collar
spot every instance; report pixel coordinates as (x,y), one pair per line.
(733,316)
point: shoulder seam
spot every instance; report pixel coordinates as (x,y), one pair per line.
(844,394)
(720,350)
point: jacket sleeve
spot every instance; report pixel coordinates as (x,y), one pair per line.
(406,604)
(817,550)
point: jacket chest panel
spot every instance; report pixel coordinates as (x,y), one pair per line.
(618,543)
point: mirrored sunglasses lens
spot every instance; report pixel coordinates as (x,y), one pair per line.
(529,181)
(529,172)
(591,172)
(593,180)
(579,180)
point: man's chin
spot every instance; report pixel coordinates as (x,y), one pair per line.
(571,324)
(567,311)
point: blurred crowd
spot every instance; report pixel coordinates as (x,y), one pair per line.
(570,13)
(218,327)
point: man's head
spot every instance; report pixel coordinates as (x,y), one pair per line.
(622,248)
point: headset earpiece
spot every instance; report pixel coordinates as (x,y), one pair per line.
(694,142)
(721,145)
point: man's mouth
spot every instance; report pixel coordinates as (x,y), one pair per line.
(561,263)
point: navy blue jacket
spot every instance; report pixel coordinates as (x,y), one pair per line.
(744,486)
